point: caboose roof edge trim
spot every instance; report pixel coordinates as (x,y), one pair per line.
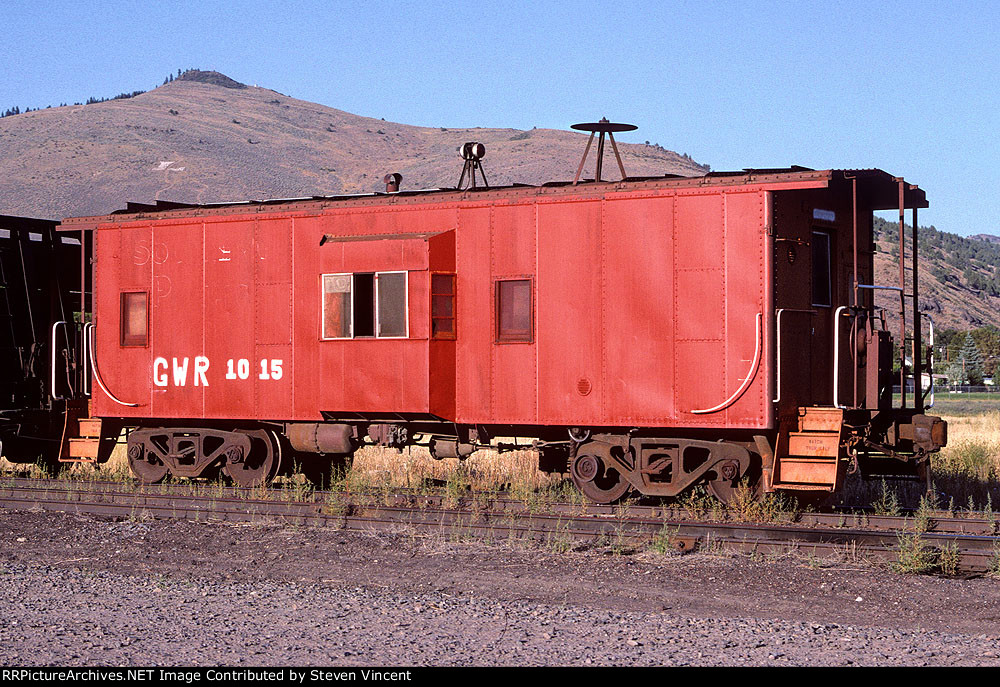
(880,186)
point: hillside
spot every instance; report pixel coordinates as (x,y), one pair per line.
(959,277)
(989,238)
(205,138)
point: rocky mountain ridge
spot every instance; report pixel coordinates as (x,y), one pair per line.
(206,138)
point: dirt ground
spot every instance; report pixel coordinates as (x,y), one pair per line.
(92,591)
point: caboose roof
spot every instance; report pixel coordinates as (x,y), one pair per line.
(878,189)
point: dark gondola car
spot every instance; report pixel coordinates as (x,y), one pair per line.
(39,286)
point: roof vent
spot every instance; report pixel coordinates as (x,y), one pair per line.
(392,182)
(473,154)
(604,127)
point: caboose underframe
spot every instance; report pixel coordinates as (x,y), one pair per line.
(650,334)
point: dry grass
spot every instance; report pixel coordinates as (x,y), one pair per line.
(116,469)
(966,473)
(484,471)
(375,468)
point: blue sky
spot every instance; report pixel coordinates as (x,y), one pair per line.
(909,87)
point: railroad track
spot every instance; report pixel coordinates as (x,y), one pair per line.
(973,543)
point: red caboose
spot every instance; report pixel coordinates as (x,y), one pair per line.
(652,333)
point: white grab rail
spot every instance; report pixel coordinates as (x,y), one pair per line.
(97,375)
(930,345)
(836,357)
(746,382)
(85,382)
(52,366)
(780,312)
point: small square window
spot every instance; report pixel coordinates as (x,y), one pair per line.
(135,323)
(513,300)
(443,306)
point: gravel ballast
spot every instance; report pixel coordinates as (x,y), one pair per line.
(90,591)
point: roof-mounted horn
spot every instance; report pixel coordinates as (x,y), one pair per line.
(473,154)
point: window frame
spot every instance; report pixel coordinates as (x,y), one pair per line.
(354,305)
(352,275)
(322,307)
(123,341)
(829,268)
(453,334)
(406,304)
(497,337)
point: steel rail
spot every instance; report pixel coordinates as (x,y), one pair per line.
(975,552)
(934,521)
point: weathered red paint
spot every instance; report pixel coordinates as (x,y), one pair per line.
(651,300)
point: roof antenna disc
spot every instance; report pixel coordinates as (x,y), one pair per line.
(604,128)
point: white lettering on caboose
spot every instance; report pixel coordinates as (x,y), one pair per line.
(174,372)
(180,371)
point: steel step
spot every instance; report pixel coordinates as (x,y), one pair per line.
(808,459)
(89,427)
(806,470)
(82,448)
(820,419)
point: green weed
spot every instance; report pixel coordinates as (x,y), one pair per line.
(948,559)
(664,542)
(915,557)
(887,502)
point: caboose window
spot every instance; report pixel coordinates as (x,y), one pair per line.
(513,303)
(134,321)
(390,289)
(821,289)
(337,306)
(364,305)
(443,306)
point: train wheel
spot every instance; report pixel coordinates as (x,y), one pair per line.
(262,463)
(146,467)
(724,490)
(728,478)
(597,481)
